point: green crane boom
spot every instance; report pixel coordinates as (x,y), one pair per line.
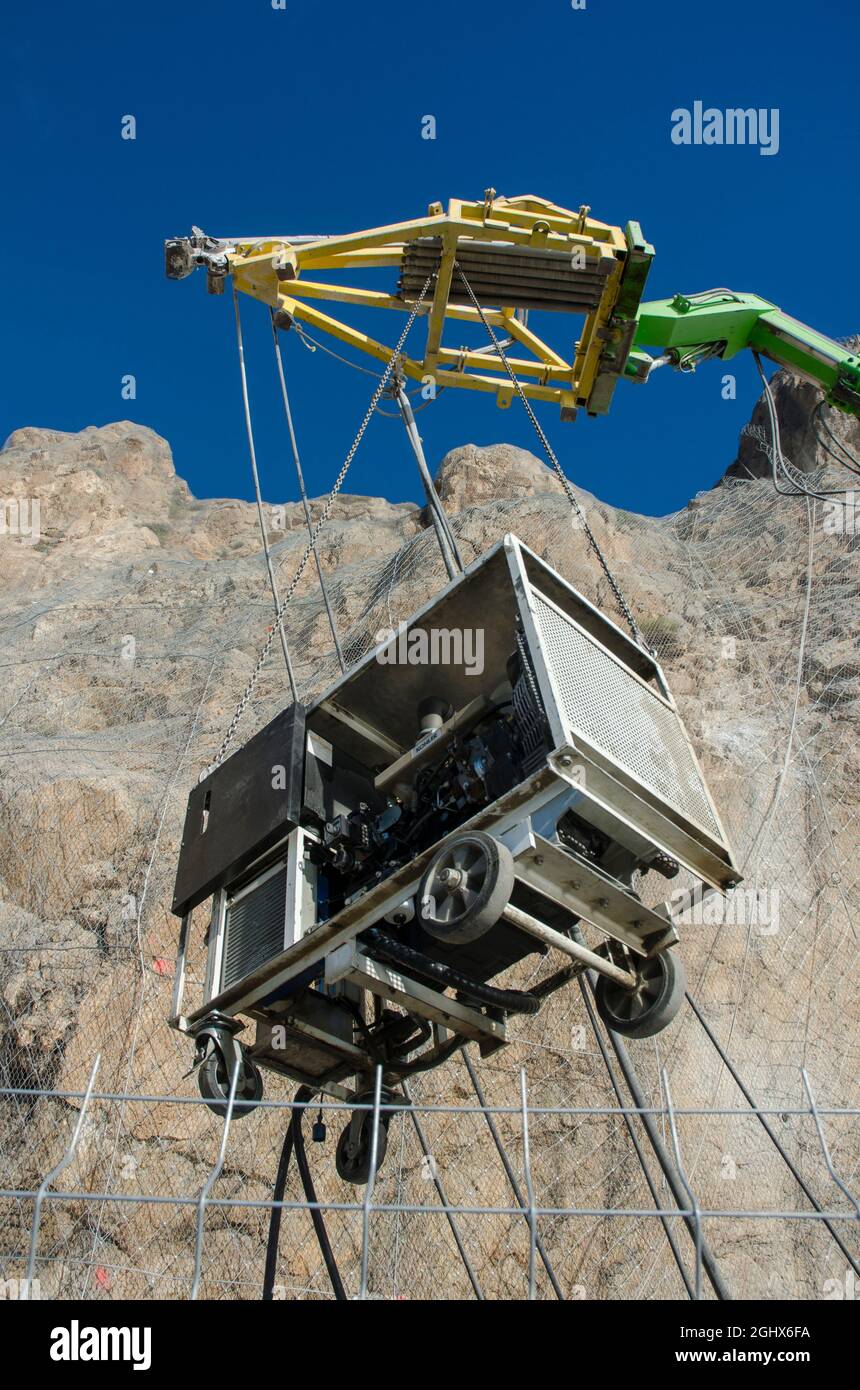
(720,323)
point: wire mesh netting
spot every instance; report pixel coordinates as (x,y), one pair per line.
(750,601)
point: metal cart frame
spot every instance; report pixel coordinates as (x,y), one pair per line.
(620,756)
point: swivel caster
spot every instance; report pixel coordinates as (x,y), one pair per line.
(352,1157)
(651,1006)
(466,888)
(214,1078)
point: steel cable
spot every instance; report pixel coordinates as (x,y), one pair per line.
(621,601)
(309,548)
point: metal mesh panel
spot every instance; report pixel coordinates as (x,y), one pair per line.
(254,930)
(620,715)
(99,754)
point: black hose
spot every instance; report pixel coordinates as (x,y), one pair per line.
(294,1138)
(665,1221)
(646,1119)
(513,1001)
(278,1196)
(427,1061)
(769,1131)
(316,1215)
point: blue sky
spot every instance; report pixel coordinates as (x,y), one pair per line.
(251,120)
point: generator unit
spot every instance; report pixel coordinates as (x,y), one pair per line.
(498,773)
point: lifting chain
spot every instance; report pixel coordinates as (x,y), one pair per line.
(548,450)
(324,515)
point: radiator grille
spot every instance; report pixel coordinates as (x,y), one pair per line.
(616,713)
(254,928)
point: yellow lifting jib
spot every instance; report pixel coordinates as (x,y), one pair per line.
(514,255)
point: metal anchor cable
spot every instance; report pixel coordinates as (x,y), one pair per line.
(311,344)
(302,489)
(309,548)
(851,463)
(548,450)
(273,583)
(780,465)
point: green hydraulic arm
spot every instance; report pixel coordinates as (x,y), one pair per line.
(720,323)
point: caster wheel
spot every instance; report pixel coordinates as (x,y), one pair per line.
(352,1157)
(213,1079)
(651,1006)
(465,888)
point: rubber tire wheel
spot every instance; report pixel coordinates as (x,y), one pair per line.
(356,1168)
(649,1009)
(213,1080)
(491,896)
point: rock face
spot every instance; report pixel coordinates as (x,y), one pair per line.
(471,475)
(108,494)
(132,622)
(804,440)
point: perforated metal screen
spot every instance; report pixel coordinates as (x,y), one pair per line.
(622,716)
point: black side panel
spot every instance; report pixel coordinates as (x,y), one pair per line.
(335,785)
(236,813)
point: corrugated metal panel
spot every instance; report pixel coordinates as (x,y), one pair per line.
(254,928)
(627,720)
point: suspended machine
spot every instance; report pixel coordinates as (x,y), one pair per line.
(374,861)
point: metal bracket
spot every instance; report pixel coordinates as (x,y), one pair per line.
(349,962)
(592,895)
(219,1031)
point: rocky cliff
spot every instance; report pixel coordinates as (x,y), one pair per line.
(131,624)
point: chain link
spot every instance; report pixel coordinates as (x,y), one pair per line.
(548,450)
(324,515)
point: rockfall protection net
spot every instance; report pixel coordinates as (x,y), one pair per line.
(99,750)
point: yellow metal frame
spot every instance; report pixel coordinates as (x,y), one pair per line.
(284,275)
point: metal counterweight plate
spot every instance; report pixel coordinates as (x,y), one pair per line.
(511,275)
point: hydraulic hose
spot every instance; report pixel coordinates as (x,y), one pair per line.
(294,1139)
(316,1215)
(303,1093)
(384,947)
